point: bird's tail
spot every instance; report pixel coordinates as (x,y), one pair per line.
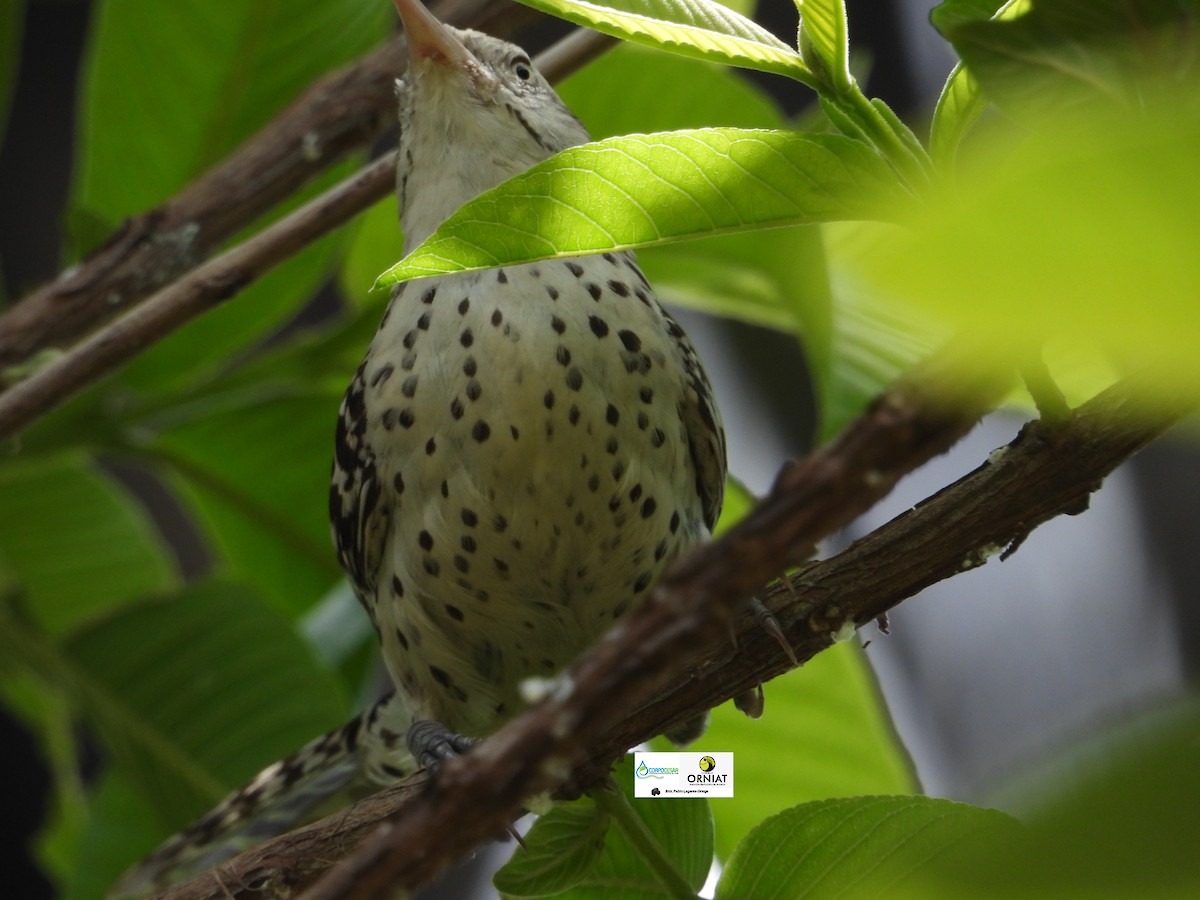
(348,762)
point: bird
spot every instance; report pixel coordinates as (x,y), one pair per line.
(518,458)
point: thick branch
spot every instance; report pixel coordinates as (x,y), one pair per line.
(672,659)
(342,112)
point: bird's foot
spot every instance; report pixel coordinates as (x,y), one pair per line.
(432,743)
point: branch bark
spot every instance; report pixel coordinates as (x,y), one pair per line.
(672,659)
(340,113)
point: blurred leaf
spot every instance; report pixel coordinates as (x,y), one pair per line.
(687,184)
(256,466)
(824,41)
(856,847)
(12,20)
(1047,57)
(826,733)
(1026,249)
(190,695)
(220,69)
(45,711)
(112,838)
(563,845)
(75,543)
(634,89)
(376,241)
(701,29)
(1115,816)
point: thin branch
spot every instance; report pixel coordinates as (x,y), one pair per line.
(672,659)
(212,283)
(343,111)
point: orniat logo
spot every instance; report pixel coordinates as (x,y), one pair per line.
(707,764)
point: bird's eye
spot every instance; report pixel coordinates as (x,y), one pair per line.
(521,68)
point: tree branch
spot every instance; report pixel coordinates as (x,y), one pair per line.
(342,112)
(672,659)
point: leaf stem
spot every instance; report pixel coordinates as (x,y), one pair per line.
(914,164)
(613,800)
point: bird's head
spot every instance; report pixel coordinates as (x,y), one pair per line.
(473,112)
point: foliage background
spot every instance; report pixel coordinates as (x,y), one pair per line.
(148,481)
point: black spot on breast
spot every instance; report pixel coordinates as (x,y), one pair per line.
(466,338)
(646,394)
(674,521)
(470,366)
(409,388)
(593,482)
(552,291)
(574,379)
(440,676)
(463,305)
(598,325)
(548,399)
(501,565)
(430,447)
(474,390)
(428,296)
(500,523)
(612,415)
(642,582)
(405,418)
(563,355)
(573,414)
(431,566)
(481,431)
(453,611)
(558,324)
(632,342)
(611,445)
(620,288)
(410,339)
(398,483)
(397,586)
(574,268)
(468,543)
(423,322)
(469,518)
(658,438)
(501,276)
(648,508)
(497,317)
(456,408)
(425,539)
(595,290)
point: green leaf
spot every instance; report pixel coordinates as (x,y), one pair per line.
(825,733)
(825,41)
(1026,249)
(1045,58)
(74,542)
(855,847)
(633,90)
(191,695)
(562,846)
(638,190)
(12,19)
(701,29)
(958,108)
(256,466)
(683,829)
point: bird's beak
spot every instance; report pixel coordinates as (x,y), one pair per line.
(430,39)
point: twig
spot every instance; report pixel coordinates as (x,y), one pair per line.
(222,277)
